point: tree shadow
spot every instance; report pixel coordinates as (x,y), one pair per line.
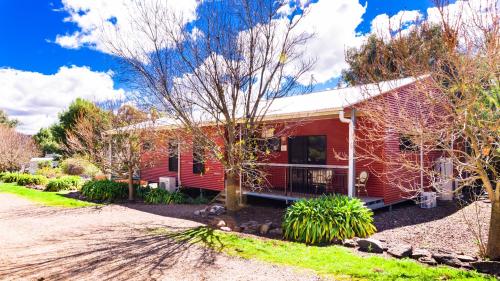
(125,253)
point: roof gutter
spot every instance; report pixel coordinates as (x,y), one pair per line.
(351,165)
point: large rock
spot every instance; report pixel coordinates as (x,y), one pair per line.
(371,245)
(490,267)
(466,258)
(400,251)
(276,231)
(419,253)
(448,259)
(265,227)
(351,243)
(427,260)
(216,210)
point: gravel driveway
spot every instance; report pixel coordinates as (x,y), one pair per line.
(112,243)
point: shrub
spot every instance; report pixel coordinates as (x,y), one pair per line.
(27,179)
(327,219)
(45,164)
(79,167)
(50,172)
(161,196)
(63,183)
(10,177)
(105,190)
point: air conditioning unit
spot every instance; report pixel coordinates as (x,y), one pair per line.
(428,200)
(167,183)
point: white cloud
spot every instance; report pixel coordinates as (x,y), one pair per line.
(36,99)
(383,25)
(100,20)
(334,24)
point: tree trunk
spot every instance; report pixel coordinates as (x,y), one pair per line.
(493,249)
(232,185)
(130,185)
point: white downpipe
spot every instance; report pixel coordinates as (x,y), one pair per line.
(351,167)
(179,164)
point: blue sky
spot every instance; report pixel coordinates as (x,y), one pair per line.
(49,56)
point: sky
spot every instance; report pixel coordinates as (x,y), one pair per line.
(51,52)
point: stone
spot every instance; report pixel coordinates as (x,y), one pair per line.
(400,251)
(466,258)
(249,227)
(427,260)
(448,259)
(197,212)
(221,223)
(351,243)
(265,227)
(276,231)
(490,267)
(216,210)
(371,245)
(225,228)
(419,253)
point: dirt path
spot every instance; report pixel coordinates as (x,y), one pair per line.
(111,243)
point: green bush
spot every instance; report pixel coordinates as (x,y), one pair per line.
(79,167)
(327,219)
(161,196)
(50,172)
(27,179)
(63,183)
(105,190)
(45,164)
(10,177)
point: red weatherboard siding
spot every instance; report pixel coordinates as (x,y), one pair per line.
(212,179)
(336,134)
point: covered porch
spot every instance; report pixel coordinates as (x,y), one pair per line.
(291,182)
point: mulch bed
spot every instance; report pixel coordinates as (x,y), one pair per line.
(446,227)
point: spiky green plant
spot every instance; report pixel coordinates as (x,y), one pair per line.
(161,196)
(327,219)
(63,183)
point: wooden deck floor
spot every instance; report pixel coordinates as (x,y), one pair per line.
(370,202)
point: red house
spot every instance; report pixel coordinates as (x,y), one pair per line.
(304,163)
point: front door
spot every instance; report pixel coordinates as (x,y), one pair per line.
(305,150)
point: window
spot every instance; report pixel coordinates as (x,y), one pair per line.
(406,144)
(198,158)
(146,146)
(271,144)
(307,150)
(173,157)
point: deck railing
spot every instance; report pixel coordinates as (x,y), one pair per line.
(300,180)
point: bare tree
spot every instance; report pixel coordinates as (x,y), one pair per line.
(16,149)
(118,150)
(453,112)
(218,83)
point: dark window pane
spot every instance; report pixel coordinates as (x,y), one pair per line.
(316,150)
(297,150)
(173,157)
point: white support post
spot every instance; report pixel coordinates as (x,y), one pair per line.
(179,184)
(352,167)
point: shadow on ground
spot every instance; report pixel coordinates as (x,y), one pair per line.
(124,253)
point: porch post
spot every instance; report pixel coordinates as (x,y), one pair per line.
(351,176)
(352,152)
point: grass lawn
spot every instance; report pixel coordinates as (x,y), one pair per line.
(56,199)
(332,261)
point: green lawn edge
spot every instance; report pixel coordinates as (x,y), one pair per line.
(52,199)
(331,261)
